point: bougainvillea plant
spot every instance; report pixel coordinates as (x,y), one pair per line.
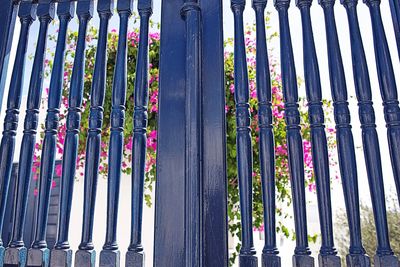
(282,174)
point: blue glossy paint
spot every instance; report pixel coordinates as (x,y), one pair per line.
(45,13)
(214,178)
(327,254)
(266,135)
(124,9)
(389,95)
(191,197)
(344,137)
(38,255)
(8,15)
(97,94)
(388,88)
(62,254)
(191,13)
(170,219)
(26,14)
(395,11)
(135,254)
(169,229)
(84,12)
(294,141)
(366,110)
(243,139)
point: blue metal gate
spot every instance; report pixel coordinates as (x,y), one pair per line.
(191,185)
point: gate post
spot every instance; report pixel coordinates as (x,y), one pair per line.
(191,176)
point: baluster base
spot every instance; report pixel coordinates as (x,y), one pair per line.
(38,257)
(329,261)
(109,258)
(15,257)
(358,261)
(2,249)
(85,258)
(61,258)
(134,259)
(302,261)
(386,261)
(248,261)
(269,260)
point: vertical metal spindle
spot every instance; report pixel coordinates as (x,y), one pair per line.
(372,156)
(110,255)
(327,254)
(26,14)
(191,13)
(387,84)
(395,10)
(97,94)
(8,16)
(105,10)
(388,88)
(270,252)
(61,254)
(295,147)
(344,137)
(243,141)
(135,254)
(16,253)
(38,255)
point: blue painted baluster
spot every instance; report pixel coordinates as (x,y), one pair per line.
(26,14)
(110,255)
(395,10)
(16,252)
(8,16)
(135,254)
(344,137)
(388,88)
(270,252)
(191,13)
(372,156)
(105,11)
(243,141)
(389,95)
(38,255)
(295,147)
(61,254)
(327,254)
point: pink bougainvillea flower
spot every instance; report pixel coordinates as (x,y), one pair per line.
(59,170)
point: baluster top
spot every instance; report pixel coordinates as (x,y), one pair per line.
(348,3)
(105,6)
(372,2)
(27,10)
(259,4)
(303,3)
(125,6)
(85,8)
(326,3)
(281,4)
(66,9)
(46,9)
(145,5)
(238,5)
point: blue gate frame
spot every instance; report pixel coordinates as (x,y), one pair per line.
(195,199)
